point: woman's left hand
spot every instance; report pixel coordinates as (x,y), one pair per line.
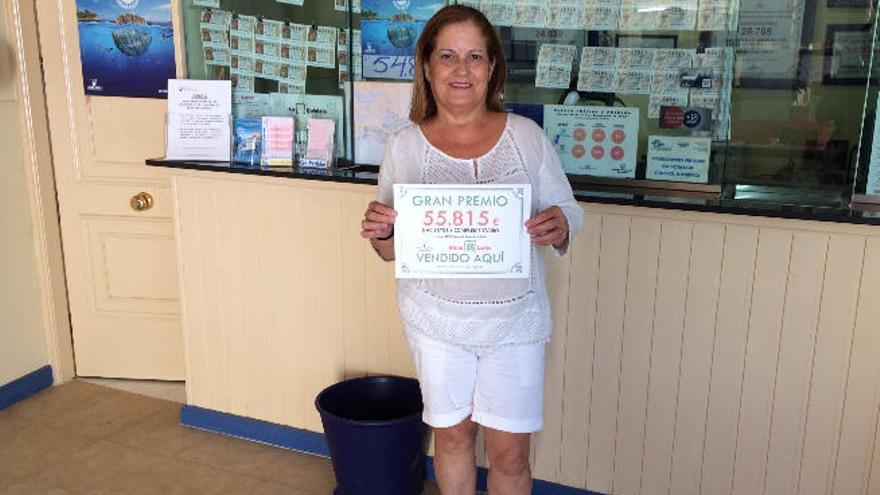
(548,227)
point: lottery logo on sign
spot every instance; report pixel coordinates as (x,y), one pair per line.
(672,117)
(617,153)
(578,151)
(692,119)
(579,134)
(598,135)
(597,152)
(618,136)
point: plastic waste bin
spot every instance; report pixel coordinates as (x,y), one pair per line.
(376,436)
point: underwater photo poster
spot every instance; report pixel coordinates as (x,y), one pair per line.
(126,47)
(390,29)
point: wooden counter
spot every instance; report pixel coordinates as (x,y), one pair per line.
(693,352)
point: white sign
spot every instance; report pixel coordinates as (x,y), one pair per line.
(462,231)
(199,120)
(769,38)
(683,159)
(600,141)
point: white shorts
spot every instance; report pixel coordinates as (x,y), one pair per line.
(501,387)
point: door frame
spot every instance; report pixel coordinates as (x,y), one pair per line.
(43,204)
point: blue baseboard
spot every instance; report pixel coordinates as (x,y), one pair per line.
(26,386)
(314,443)
(254,429)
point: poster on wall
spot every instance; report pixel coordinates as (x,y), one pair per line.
(380,108)
(390,30)
(126,47)
(600,141)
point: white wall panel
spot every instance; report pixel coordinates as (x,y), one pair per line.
(693,353)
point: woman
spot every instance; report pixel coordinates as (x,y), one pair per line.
(478,344)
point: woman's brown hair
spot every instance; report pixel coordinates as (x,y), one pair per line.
(423,105)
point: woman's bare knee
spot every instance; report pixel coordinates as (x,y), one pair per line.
(460,437)
(508,452)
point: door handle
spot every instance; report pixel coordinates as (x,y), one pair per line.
(141,201)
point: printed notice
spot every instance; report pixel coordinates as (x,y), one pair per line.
(462,231)
(600,141)
(199,114)
(683,159)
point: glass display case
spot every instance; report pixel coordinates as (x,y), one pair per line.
(284,58)
(753,100)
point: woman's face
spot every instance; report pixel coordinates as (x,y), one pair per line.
(459,68)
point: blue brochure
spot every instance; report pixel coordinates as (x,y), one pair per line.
(247,141)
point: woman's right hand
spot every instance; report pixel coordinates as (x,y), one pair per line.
(378,221)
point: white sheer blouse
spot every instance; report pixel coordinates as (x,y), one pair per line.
(481,312)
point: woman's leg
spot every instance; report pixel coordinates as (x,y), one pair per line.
(509,472)
(455,463)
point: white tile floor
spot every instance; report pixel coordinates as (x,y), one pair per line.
(165,390)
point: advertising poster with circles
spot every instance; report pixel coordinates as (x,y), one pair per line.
(600,141)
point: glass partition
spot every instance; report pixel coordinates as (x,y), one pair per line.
(284,58)
(761,100)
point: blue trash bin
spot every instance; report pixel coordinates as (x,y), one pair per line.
(376,436)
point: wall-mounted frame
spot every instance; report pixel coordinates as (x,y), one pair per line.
(771,43)
(847,54)
(646,41)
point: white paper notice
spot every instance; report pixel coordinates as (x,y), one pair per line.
(600,141)
(682,159)
(199,118)
(462,231)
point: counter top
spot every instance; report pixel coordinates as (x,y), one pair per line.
(362,174)
(648,198)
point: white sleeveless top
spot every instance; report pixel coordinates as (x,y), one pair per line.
(481,312)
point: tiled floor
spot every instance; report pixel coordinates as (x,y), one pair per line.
(173,391)
(83,438)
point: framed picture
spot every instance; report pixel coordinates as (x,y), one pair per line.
(847,54)
(771,43)
(647,41)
